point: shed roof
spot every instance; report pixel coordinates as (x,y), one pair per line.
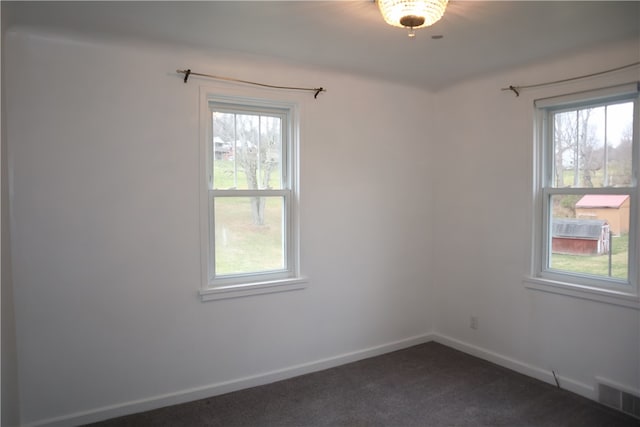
(578,228)
(602,201)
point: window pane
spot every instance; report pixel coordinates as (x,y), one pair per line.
(249,236)
(590,234)
(592,146)
(619,142)
(247,151)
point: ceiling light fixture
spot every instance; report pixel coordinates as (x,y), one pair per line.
(412,14)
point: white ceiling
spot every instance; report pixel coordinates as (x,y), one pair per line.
(479,36)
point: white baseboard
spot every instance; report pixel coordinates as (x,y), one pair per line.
(216,389)
(515,365)
(155,402)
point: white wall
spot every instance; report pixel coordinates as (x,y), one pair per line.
(9,365)
(103,156)
(483,218)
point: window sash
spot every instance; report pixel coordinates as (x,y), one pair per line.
(251,193)
(584,278)
(231,285)
(288,269)
(547,145)
(263,109)
(545,170)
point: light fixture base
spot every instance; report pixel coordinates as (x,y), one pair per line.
(412,21)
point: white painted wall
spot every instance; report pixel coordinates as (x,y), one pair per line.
(483,217)
(103,156)
(9,363)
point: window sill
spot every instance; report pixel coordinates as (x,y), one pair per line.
(613,297)
(245,290)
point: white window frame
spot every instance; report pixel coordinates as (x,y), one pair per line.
(240,285)
(614,291)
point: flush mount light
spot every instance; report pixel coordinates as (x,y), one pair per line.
(412,14)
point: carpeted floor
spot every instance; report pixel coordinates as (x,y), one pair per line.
(425,385)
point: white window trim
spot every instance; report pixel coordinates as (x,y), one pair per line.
(250,284)
(606,291)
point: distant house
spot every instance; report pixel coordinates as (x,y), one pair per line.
(610,207)
(222,149)
(580,236)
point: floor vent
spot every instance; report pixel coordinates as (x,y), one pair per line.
(620,400)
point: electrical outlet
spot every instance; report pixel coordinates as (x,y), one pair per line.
(473,322)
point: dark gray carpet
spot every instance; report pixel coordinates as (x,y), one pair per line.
(425,385)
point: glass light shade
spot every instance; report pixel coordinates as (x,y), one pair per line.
(393,12)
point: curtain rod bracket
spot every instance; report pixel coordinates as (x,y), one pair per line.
(186,75)
(318,90)
(514,89)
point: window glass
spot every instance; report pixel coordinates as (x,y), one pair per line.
(247,151)
(590,235)
(592,146)
(249,235)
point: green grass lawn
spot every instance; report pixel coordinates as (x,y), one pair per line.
(597,264)
(617,176)
(228,175)
(241,246)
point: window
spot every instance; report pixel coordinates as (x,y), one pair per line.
(250,235)
(587,190)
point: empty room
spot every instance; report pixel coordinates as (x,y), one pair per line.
(305,213)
